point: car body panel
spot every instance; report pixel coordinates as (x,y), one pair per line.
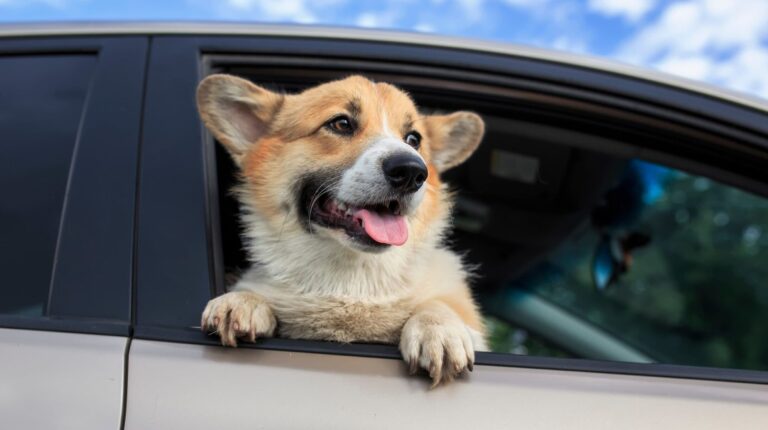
(54,380)
(169,265)
(203,387)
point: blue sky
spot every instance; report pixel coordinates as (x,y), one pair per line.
(724,42)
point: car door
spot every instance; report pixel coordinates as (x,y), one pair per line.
(69,119)
(187,243)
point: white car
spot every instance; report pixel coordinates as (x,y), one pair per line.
(618,217)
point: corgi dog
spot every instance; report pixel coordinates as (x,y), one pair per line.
(344,217)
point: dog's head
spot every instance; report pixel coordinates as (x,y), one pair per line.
(352,160)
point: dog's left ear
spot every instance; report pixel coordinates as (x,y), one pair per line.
(453,138)
(237,112)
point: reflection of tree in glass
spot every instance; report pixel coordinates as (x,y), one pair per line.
(709,268)
(696,295)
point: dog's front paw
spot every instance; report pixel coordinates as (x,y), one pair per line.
(239,314)
(439,342)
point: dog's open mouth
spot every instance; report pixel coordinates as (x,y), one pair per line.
(378,224)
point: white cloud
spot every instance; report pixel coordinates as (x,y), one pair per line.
(424,28)
(559,13)
(376,19)
(536,7)
(695,27)
(569,44)
(746,71)
(473,9)
(293,10)
(631,10)
(527,4)
(692,66)
(300,11)
(367,19)
(709,40)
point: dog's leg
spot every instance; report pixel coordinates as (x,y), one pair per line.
(239,314)
(437,339)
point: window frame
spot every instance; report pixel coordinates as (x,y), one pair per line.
(720,139)
(92,280)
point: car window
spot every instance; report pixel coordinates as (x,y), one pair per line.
(579,252)
(669,263)
(41,103)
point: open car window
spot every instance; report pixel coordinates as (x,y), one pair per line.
(547,193)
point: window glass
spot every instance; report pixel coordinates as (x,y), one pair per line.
(505,337)
(41,103)
(669,264)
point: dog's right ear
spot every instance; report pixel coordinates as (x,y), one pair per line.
(237,112)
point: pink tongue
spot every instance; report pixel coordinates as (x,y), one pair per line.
(383,228)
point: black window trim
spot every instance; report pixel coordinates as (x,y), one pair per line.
(661,103)
(67,325)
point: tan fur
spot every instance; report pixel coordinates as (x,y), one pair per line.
(315,286)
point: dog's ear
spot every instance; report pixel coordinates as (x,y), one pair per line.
(453,138)
(237,112)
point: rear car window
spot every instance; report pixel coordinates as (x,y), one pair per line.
(41,102)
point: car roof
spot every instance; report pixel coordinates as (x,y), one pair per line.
(377,35)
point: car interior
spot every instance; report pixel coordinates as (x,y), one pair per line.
(545,194)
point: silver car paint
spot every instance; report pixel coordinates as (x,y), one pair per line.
(52,380)
(205,387)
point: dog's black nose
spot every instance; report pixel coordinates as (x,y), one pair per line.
(405,172)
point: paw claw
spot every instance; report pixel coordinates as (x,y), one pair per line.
(238,314)
(434,373)
(438,342)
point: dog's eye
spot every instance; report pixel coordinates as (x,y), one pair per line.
(414,139)
(341,125)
